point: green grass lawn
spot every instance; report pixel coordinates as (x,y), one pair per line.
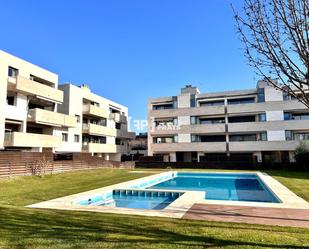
(22,227)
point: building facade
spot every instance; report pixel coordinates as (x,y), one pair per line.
(38,115)
(193,126)
(102,125)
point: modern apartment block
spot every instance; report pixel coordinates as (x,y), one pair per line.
(261,122)
(28,100)
(38,115)
(102,125)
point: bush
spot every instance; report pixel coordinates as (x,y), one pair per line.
(302,155)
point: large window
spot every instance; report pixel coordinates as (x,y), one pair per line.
(212,120)
(241,138)
(157,140)
(240,101)
(301,136)
(212,103)
(241,119)
(163,106)
(208,138)
(296,116)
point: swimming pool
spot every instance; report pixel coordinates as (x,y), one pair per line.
(221,186)
(173,194)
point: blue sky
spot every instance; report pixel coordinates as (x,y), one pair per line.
(130,50)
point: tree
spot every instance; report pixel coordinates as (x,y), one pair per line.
(275,35)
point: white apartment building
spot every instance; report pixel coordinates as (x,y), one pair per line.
(28,100)
(261,122)
(38,115)
(102,127)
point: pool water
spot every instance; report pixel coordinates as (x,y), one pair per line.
(220,186)
(140,202)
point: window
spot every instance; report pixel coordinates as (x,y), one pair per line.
(193,120)
(158,140)
(64,137)
(77,118)
(76,138)
(118,126)
(262,117)
(241,138)
(212,120)
(212,138)
(212,103)
(241,119)
(163,106)
(300,116)
(286,96)
(12,72)
(287,116)
(288,135)
(263,136)
(10,100)
(261,95)
(301,136)
(192,100)
(240,101)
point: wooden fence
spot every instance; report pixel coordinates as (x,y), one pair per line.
(25,163)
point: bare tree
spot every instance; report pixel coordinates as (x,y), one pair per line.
(275,34)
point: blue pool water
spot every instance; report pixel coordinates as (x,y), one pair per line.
(140,202)
(220,186)
(133,198)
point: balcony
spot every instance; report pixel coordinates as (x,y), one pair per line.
(193,111)
(251,146)
(269,125)
(99,130)
(203,147)
(41,116)
(119,118)
(30,87)
(100,148)
(96,111)
(265,106)
(20,139)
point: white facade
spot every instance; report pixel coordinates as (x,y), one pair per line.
(36,115)
(102,128)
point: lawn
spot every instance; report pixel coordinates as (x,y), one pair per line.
(24,228)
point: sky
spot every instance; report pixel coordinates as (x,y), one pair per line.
(130,50)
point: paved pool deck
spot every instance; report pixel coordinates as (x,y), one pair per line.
(249,214)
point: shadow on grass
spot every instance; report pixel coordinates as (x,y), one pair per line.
(289,174)
(54,228)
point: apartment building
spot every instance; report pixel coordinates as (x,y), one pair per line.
(262,122)
(28,101)
(37,114)
(102,125)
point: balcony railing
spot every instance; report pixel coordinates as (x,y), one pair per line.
(30,87)
(97,111)
(46,117)
(100,130)
(21,139)
(100,148)
(117,117)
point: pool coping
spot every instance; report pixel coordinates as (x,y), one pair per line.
(179,207)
